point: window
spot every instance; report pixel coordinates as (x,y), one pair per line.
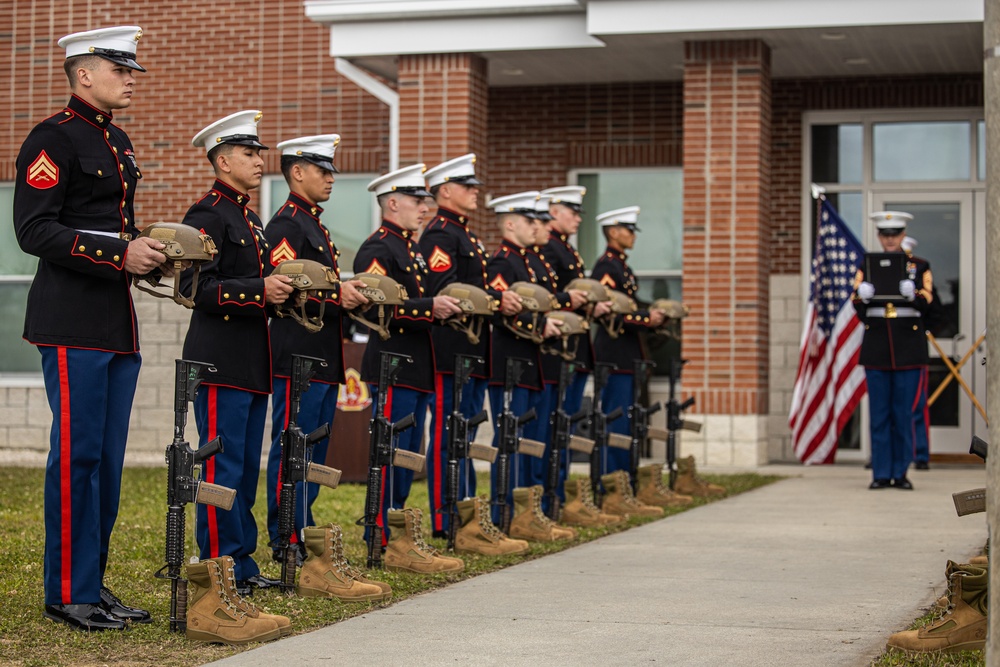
(933,151)
(16,272)
(657,255)
(350,214)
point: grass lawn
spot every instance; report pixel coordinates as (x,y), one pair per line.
(897,659)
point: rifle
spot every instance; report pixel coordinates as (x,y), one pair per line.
(297,466)
(973,500)
(599,424)
(381,453)
(561,423)
(184,487)
(459,447)
(674,420)
(508,441)
(639,418)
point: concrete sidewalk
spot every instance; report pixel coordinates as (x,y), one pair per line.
(813,570)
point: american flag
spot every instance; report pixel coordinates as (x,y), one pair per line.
(830,383)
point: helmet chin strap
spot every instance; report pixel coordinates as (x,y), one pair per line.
(175,293)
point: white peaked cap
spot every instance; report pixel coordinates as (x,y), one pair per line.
(408,180)
(890,219)
(116,44)
(522,202)
(628,216)
(542,207)
(570,195)
(239,129)
(459,170)
(318,149)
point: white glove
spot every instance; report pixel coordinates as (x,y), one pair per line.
(866,291)
(907,289)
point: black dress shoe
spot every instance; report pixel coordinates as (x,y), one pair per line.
(879,484)
(111,604)
(902,483)
(256,581)
(922,465)
(87,617)
(296,548)
(440,534)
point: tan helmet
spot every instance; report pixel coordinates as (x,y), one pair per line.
(183,243)
(307,276)
(675,312)
(596,293)
(476,305)
(380,291)
(571,325)
(536,301)
(621,305)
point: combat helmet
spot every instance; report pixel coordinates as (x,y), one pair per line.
(381,291)
(183,244)
(536,301)
(675,311)
(621,305)
(308,276)
(570,325)
(476,305)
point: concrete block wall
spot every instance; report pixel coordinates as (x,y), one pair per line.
(787,308)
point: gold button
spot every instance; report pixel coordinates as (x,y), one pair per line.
(126,221)
(100,173)
(262,266)
(401,330)
(116,258)
(82,248)
(226,295)
(256,297)
(427,313)
(100,252)
(243,241)
(126,185)
(226,318)
(107,135)
(121,167)
(123,204)
(137,173)
(415,311)
(243,296)
(115,149)
(239,200)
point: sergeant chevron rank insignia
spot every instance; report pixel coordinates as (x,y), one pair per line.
(499,284)
(376,268)
(440,260)
(43,172)
(281,252)
(606,279)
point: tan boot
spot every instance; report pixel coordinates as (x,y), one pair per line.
(341,559)
(226,563)
(580,510)
(945,600)
(963,626)
(322,574)
(690,484)
(619,499)
(530,523)
(211,614)
(478,535)
(653,491)
(407,552)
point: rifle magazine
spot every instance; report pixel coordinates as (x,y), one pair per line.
(530,447)
(215,495)
(323,475)
(482,452)
(409,460)
(659,434)
(619,441)
(691,426)
(580,444)
(969,502)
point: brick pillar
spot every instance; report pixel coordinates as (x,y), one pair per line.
(727,150)
(442,112)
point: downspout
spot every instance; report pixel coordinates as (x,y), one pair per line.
(384,93)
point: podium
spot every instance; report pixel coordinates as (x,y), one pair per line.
(348,449)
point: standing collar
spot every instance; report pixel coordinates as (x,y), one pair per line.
(227,191)
(91,114)
(615,254)
(315,210)
(397,230)
(452,216)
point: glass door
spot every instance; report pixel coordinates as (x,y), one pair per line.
(944,227)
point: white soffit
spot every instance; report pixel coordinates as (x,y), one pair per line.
(608,17)
(460,35)
(332,11)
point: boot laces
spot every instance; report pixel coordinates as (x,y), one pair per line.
(626,488)
(418,531)
(587,497)
(487,525)
(536,509)
(337,560)
(227,593)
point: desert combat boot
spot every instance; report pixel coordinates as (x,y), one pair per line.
(963,626)
(211,614)
(408,552)
(620,500)
(690,484)
(530,523)
(945,600)
(345,565)
(478,534)
(580,510)
(653,491)
(324,576)
(226,563)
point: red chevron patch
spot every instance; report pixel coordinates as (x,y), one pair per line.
(43,172)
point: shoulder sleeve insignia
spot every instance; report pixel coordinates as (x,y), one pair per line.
(440,260)
(376,268)
(499,284)
(281,252)
(43,172)
(608,281)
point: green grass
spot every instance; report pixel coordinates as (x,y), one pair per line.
(137,552)
(901,659)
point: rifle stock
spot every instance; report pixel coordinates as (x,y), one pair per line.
(509,423)
(459,449)
(599,425)
(639,419)
(674,420)
(561,424)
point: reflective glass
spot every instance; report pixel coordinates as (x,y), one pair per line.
(837,153)
(937,151)
(981,152)
(17,356)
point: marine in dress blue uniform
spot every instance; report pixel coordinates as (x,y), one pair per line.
(296,232)
(921,411)
(508,265)
(894,354)
(73,208)
(229,330)
(391,251)
(612,270)
(453,254)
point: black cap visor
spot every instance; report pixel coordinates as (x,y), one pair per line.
(464,180)
(242,140)
(321,161)
(120,58)
(415,191)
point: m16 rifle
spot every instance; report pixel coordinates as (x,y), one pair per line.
(297,466)
(599,425)
(459,447)
(184,487)
(674,420)
(973,500)
(382,455)
(508,441)
(561,423)
(639,419)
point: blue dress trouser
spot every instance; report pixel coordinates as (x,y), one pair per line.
(317,406)
(571,404)
(473,397)
(921,421)
(90,395)
(891,396)
(396,482)
(237,416)
(541,429)
(521,401)
(617,394)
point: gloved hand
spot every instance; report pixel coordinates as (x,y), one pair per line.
(866,291)
(907,289)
